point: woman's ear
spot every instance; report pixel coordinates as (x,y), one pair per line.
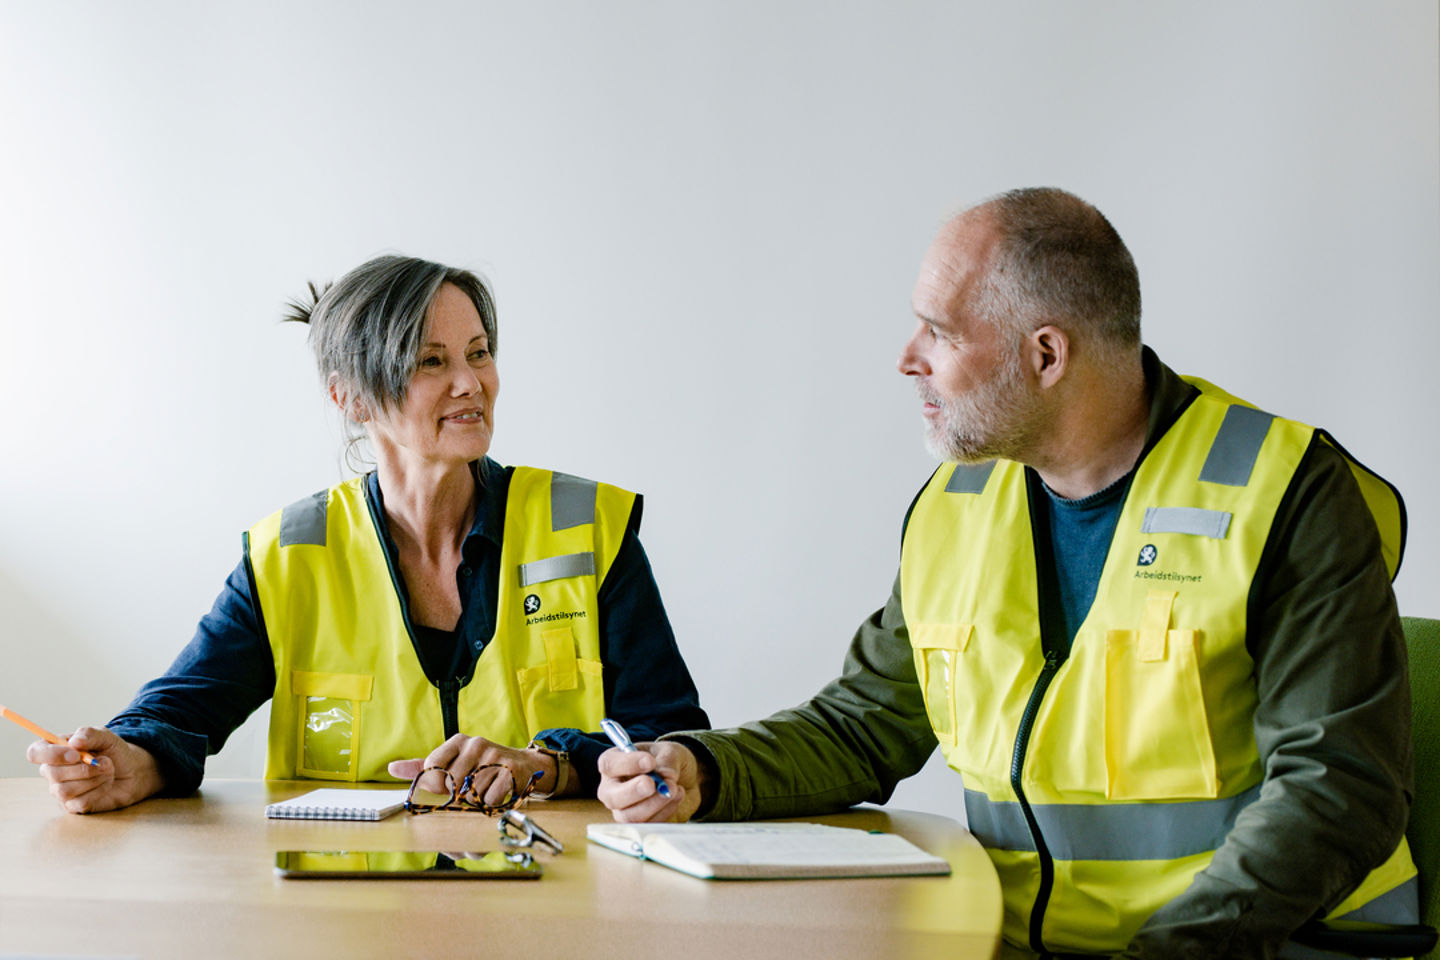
(353,409)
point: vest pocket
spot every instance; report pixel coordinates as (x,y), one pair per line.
(565,690)
(328,730)
(937,651)
(1157,732)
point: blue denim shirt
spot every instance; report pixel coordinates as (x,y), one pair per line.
(226,671)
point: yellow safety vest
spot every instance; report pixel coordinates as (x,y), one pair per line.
(350,694)
(1102,782)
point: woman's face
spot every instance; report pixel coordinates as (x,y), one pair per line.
(448,414)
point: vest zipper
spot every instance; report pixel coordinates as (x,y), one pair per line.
(1053,659)
(450,705)
(1055,643)
(449,689)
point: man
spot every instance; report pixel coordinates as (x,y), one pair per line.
(1151,626)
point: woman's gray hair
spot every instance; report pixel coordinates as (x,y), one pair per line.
(366,328)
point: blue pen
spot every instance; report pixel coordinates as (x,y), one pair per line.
(621,739)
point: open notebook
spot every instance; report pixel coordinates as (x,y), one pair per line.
(754,851)
(338,804)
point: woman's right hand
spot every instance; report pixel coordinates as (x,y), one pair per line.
(124,774)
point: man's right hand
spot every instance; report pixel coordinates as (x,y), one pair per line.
(125,773)
(626,788)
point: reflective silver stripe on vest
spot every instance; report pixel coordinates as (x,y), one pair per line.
(556,568)
(1108,831)
(304,521)
(1401,905)
(1204,523)
(970,477)
(1237,445)
(572,501)
(1398,906)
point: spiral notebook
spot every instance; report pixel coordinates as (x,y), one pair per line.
(332,804)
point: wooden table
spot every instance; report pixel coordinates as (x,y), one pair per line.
(194,877)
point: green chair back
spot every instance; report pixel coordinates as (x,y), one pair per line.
(1422,637)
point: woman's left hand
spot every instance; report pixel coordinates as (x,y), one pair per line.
(461,755)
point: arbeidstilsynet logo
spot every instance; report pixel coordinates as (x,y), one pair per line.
(532,604)
(1148,553)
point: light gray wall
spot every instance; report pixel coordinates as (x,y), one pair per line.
(702,222)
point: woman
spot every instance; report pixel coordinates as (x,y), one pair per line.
(440,604)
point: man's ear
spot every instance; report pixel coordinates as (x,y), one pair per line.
(1048,354)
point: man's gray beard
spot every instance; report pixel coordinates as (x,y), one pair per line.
(994,420)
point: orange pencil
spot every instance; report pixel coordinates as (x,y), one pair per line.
(44,734)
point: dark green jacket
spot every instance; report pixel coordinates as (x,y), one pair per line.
(1332,727)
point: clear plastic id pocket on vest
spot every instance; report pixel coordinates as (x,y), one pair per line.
(965,674)
(937,649)
(329,722)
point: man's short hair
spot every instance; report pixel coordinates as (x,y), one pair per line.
(1058,260)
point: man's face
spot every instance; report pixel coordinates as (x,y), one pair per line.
(976,401)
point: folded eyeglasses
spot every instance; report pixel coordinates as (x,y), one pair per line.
(469,795)
(517,831)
